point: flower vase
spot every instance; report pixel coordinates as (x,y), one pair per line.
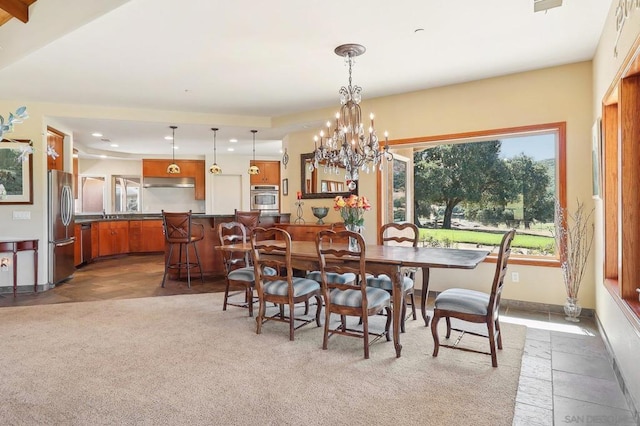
(353,243)
(572,309)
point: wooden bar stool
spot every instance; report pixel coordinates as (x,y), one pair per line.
(178,229)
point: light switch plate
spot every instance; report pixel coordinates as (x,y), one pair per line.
(21,215)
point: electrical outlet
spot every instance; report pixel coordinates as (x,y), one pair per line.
(515,277)
(4,264)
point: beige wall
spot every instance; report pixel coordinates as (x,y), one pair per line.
(621,336)
(544,96)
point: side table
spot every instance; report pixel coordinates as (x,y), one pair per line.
(14,246)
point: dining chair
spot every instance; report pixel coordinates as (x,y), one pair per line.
(239,271)
(475,306)
(271,248)
(399,234)
(353,298)
(179,230)
(250,219)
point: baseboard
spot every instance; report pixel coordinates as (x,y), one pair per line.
(614,364)
(24,288)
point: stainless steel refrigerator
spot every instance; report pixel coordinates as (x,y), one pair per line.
(61,226)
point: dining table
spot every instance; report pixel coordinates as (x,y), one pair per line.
(391,261)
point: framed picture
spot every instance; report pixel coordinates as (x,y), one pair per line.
(285,186)
(596,155)
(16,172)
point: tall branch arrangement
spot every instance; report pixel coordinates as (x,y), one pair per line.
(574,235)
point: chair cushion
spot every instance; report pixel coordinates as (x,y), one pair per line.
(332,277)
(353,298)
(301,286)
(384,282)
(463,300)
(248,274)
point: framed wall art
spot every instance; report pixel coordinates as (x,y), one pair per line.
(16,172)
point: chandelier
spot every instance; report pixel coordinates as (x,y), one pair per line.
(215,169)
(349,145)
(173,168)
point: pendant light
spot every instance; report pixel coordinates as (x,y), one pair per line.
(254,170)
(173,168)
(215,169)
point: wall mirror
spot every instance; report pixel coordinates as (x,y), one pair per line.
(322,182)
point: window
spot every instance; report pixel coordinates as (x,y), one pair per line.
(467,190)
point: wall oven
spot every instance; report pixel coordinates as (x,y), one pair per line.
(265,197)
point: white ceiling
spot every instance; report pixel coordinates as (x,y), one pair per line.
(268,58)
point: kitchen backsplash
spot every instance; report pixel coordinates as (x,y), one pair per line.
(154,200)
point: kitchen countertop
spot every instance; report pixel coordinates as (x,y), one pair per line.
(90,218)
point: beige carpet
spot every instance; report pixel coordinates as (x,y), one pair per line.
(181,360)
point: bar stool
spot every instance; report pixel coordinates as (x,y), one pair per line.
(178,231)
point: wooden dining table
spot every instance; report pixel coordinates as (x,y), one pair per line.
(389,260)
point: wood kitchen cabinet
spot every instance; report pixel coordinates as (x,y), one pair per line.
(146,236)
(113,237)
(77,250)
(55,140)
(188,168)
(269,173)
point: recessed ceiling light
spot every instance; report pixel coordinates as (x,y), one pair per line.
(114,145)
(168,138)
(233,140)
(96,134)
(103,156)
(176,147)
(230,149)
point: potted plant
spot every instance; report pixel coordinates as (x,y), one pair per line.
(574,234)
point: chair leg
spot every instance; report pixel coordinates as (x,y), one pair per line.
(249,298)
(166,266)
(434,332)
(188,265)
(226,294)
(365,330)
(499,333)
(306,307)
(403,314)
(325,337)
(388,323)
(492,342)
(448,327)
(291,321)
(413,305)
(195,248)
(179,260)
(318,309)
(260,317)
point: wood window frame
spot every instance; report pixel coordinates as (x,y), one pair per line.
(561,155)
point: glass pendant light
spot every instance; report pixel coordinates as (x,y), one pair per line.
(173,168)
(254,170)
(215,169)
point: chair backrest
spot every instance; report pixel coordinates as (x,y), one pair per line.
(399,234)
(250,219)
(332,257)
(501,270)
(271,248)
(177,226)
(233,233)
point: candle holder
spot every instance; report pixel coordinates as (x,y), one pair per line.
(299,219)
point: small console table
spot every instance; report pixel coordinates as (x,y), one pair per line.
(14,246)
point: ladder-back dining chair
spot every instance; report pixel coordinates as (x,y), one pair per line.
(475,306)
(399,234)
(354,298)
(271,248)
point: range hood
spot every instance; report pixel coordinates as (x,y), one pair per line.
(168,182)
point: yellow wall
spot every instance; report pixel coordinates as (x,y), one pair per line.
(544,96)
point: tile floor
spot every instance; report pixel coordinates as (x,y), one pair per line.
(566,376)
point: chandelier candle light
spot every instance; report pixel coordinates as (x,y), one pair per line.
(348,145)
(173,168)
(215,169)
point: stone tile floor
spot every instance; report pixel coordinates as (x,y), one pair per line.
(566,377)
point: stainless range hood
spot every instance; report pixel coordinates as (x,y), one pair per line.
(168,182)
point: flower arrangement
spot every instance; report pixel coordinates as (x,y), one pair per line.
(575,232)
(352,208)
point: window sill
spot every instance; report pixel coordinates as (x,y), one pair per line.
(529,261)
(629,307)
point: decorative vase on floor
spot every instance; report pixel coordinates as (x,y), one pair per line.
(353,243)
(572,309)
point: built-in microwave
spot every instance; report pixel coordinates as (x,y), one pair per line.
(265,197)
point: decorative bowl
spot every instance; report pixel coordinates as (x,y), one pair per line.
(319,213)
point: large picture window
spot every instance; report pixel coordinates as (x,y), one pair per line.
(469,189)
